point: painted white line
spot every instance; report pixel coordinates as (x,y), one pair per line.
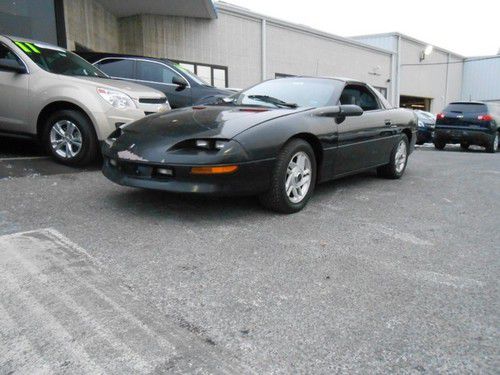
(24,158)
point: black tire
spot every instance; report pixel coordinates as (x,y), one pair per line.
(89,146)
(420,143)
(464,146)
(440,145)
(391,170)
(492,146)
(276,198)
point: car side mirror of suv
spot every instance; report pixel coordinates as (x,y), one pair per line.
(348,110)
(179,82)
(12,66)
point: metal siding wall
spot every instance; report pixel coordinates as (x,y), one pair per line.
(291,51)
(387,42)
(482,80)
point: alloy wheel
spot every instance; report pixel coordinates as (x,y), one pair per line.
(298,177)
(400,157)
(65,139)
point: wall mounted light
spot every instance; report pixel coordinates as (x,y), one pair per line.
(426,52)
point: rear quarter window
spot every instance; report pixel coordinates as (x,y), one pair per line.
(117,68)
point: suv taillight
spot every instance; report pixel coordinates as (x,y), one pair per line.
(440,116)
(485,118)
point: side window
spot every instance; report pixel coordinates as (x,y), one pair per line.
(359,95)
(117,68)
(153,72)
(7,57)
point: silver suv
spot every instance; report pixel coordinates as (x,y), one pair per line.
(68,104)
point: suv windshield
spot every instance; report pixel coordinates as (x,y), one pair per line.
(59,61)
(291,92)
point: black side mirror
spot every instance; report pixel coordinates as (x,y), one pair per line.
(347,110)
(12,66)
(340,111)
(178,81)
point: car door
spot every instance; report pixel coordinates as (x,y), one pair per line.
(160,76)
(14,94)
(364,141)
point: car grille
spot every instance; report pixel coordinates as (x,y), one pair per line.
(153,100)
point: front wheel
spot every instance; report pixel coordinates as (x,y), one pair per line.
(69,137)
(293,178)
(399,159)
(492,147)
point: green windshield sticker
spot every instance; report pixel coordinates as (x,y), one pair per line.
(33,48)
(23,47)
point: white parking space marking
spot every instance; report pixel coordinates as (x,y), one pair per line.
(24,158)
(59,313)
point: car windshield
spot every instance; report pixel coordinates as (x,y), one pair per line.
(291,93)
(466,108)
(191,75)
(59,61)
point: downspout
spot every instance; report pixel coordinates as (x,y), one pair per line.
(263,50)
(398,73)
(446,83)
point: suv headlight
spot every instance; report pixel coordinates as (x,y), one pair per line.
(117,99)
(421,124)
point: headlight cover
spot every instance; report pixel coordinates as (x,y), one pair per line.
(421,124)
(116,98)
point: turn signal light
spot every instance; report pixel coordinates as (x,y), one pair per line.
(226,169)
(485,118)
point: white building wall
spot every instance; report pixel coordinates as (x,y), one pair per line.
(433,78)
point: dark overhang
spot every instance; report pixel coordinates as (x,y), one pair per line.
(180,8)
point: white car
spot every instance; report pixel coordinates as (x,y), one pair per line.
(52,94)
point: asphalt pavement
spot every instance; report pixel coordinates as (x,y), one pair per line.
(374,276)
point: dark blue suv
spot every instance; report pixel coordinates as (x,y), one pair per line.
(468,123)
(181,87)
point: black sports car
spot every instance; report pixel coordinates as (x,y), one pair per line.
(277,139)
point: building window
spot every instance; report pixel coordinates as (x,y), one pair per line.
(382,90)
(215,75)
(35,19)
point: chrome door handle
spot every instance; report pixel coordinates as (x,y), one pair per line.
(388,122)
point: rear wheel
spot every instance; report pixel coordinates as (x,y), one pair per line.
(492,146)
(464,146)
(399,159)
(440,145)
(68,135)
(293,178)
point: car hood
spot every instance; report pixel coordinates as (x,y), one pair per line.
(156,134)
(133,90)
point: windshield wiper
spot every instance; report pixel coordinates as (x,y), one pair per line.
(272,100)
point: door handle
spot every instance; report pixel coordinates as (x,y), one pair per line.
(388,122)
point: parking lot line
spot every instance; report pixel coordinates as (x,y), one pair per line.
(24,158)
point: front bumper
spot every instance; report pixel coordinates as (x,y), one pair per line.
(472,136)
(250,178)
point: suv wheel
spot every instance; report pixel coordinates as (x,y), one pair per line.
(399,159)
(293,178)
(440,145)
(492,147)
(69,137)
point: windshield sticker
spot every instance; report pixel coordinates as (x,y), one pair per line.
(32,47)
(23,47)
